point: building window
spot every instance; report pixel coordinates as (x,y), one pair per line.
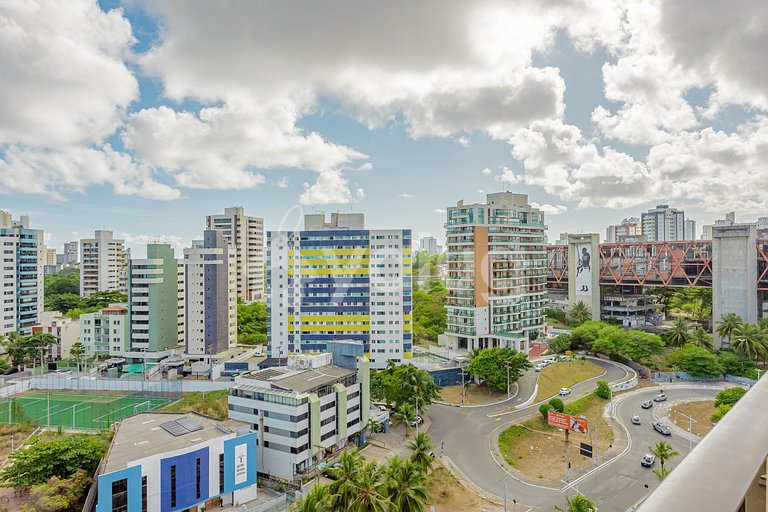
(143,494)
(173,485)
(221,473)
(120,495)
(197,478)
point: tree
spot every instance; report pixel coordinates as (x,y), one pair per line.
(59,494)
(580,313)
(76,352)
(491,365)
(63,302)
(750,340)
(557,404)
(663,451)
(429,315)
(370,490)
(42,460)
(404,384)
(729,396)
(373,426)
(16,347)
(544,409)
(735,364)
(702,338)
(662,473)
(318,499)
(421,449)
(62,283)
(697,361)
(560,343)
(405,485)
(603,390)
(405,414)
(252,323)
(578,503)
(728,325)
(346,471)
(678,334)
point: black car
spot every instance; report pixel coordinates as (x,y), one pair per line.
(662,428)
(647,404)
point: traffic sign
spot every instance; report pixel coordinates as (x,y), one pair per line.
(586,450)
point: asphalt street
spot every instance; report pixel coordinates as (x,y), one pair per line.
(615,486)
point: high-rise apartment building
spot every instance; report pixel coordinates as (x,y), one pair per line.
(246,234)
(729,220)
(663,224)
(497,261)
(103,264)
(211,295)
(630,230)
(153,300)
(339,281)
(70,253)
(690,229)
(428,244)
(22,278)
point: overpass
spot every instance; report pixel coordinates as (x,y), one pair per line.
(734,264)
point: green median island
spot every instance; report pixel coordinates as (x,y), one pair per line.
(564,375)
(77,410)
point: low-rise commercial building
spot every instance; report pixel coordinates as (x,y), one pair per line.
(302,411)
(105,332)
(168,462)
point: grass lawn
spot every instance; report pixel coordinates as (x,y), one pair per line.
(476,395)
(554,322)
(538,451)
(210,403)
(700,411)
(447,494)
(565,375)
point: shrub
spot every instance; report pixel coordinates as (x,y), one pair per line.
(544,410)
(603,390)
(557,404)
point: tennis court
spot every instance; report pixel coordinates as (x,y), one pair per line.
(76,410)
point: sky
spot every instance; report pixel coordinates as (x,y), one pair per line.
(144,116)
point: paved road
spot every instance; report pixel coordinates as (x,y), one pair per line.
(467,433)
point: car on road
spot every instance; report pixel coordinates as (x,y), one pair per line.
(539,367)
(565,391)
(648,460)
(662,428)
(416,421)
(660,397)
(635,419)
(647,404)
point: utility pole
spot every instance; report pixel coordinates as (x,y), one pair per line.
(596,443)
(567,459)
(461,370)
(505,494)
(507,365)
(691,421)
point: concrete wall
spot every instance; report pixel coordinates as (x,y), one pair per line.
(734,272)
(576,285)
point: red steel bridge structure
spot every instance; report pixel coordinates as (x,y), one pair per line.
(685,263)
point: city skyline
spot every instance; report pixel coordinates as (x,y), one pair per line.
(604,113)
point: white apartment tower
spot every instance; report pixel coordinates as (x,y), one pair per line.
(497,261)
(103,264)
(246,234)
(663,224)
(22,278)
(211,295)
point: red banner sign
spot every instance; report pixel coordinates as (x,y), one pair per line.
(567,422)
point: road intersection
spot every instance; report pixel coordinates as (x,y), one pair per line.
(466,435)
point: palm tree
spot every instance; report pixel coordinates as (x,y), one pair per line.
(346,471)
(420,451)
(702,338)
(580,313)
(405,414)
(749,340)
(373,426)
(578,503)
(663,451)
(370,491)
(405,485)
(728,325)
(77,351)
(317,500)
(662,473)
(678,334)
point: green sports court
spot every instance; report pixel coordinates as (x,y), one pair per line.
(76,410)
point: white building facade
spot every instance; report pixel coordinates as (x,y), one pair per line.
(21,280)
(106,332)
(65,329)
(246,234)
(103,264)
(663,224)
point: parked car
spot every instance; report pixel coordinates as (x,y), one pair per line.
(647,404)
(565,391)
(662,429)
(648,460)
(635,419)
(660,397)
(327,470)
(417,421)
(539,367)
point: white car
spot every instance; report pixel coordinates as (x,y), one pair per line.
(539,367)
(565,391)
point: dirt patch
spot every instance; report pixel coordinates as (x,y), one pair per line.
(565,375)
(537,450)
(447,494)
(700,411)
(475,395)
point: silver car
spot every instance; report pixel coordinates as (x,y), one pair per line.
(648,460)
(635,419)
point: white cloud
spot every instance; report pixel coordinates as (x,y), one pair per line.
(464,141)
(138,243)
(360,193)
(506,175)
(406,195)
(282,182)
(551,209)
(440,211)
(330,188)
(487,171)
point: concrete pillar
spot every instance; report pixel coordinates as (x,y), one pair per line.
(584,271)
(734,273)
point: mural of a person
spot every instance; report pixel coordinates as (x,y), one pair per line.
(585,260)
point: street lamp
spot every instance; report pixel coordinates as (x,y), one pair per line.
(506,365)
(691,421)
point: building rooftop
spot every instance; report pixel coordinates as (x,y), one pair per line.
(142,436)
(299,381)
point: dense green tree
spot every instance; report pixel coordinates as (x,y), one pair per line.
(491,365)
(557,404)
(429,316)
(560,343)
(580,313)
(252,323)
(578,503)
(678,335)
(405,414)
(735,364)
(59,494)
(62,283)
(420,447)
(750,340)
(603,390)
(38,463)
(370,491)
(584,335)
(544,409)
(729,396)
(404,384)
(702,338)
(728,325)
(63,302)
(405,485)
(697,361)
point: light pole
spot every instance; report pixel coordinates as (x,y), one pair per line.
(507,366)
(691,421)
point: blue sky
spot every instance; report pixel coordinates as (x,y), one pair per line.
(143,117)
